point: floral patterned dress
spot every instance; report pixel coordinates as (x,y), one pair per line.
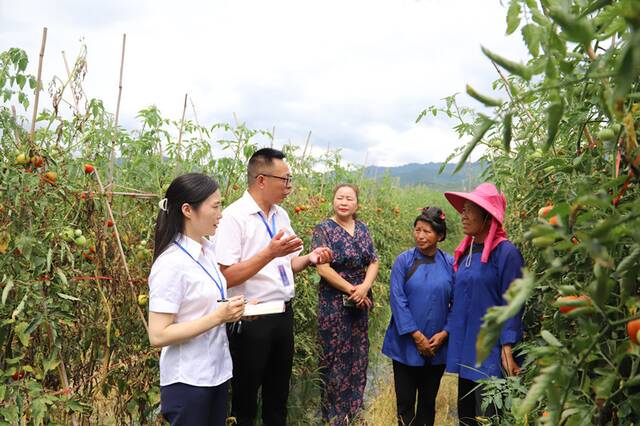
(343,330)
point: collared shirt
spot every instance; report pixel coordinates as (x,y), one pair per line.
(241,235)
(420,298)
(478,287)
(177,285)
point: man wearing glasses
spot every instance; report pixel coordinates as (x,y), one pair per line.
(258,253)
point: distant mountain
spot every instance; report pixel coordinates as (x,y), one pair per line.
(427,174)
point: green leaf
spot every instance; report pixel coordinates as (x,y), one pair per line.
(513,16)
(21,80)
(575,29)
(516,295)
(603,385)
(554,115)
(482,98)
(7,288)
(38,410)
(628,67)
(532,36)
(21,334)
(10,414)
(537,389)
(67,297)
(19,308)
(507,131)
(482,128)
(511,66)
(629,262)
(50,363)
(550,339)
(62,276)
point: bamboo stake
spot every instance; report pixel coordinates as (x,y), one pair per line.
(38,85)
(306,145)
(273,136)
(115,133)
(184,110)
(195,117)
(132,194)
(324,173)
(121,251)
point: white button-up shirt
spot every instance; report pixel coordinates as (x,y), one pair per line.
(241,234)
(177,285)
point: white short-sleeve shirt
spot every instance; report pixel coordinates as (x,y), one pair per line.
(241,234)
(177,285)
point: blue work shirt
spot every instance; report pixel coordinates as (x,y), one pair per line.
(421,292)
(478,287)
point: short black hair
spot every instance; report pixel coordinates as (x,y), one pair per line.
(436,218)
(262,158)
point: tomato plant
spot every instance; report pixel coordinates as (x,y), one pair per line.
(565,134)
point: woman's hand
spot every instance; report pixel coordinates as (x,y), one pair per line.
(508,362)
(437,340)
(320,256)
(365,304)
(231,310)
(359,293)
(422,343)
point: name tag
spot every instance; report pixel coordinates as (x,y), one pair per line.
(283,276)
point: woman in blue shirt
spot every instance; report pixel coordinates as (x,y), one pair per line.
(485,264)
(421,290)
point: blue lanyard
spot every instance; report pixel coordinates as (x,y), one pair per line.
(272,232)
(218,283)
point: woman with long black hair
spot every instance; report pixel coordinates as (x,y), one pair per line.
(188,306)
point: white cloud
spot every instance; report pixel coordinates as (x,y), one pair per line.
(356,73)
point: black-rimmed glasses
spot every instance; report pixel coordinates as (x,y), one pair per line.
(287,180)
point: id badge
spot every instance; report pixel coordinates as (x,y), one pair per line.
(283,276)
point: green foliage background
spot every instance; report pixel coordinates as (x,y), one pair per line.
(73,346)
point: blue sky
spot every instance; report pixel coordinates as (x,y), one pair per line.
(355,73)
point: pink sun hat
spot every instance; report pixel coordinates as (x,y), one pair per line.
(486,195)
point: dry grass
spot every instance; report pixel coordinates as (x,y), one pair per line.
(382,410)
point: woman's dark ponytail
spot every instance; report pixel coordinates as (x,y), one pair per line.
(190,188)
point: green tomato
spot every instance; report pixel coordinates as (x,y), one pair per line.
(77,232)
(22,159)
(81,241)
(606,134)
(67,234)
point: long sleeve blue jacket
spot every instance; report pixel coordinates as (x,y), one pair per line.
(477,287)
(421,291)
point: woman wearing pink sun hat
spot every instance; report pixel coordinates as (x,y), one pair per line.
(485,264)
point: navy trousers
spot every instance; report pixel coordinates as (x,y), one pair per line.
(186,405)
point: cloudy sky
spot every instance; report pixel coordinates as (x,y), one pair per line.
(355,73)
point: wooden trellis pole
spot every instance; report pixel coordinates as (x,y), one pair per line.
(121,250)
(115,131)
(38,85)
(184,110)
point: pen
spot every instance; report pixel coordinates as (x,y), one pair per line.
(227,300)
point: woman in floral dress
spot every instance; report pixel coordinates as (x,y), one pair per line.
(343,307)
